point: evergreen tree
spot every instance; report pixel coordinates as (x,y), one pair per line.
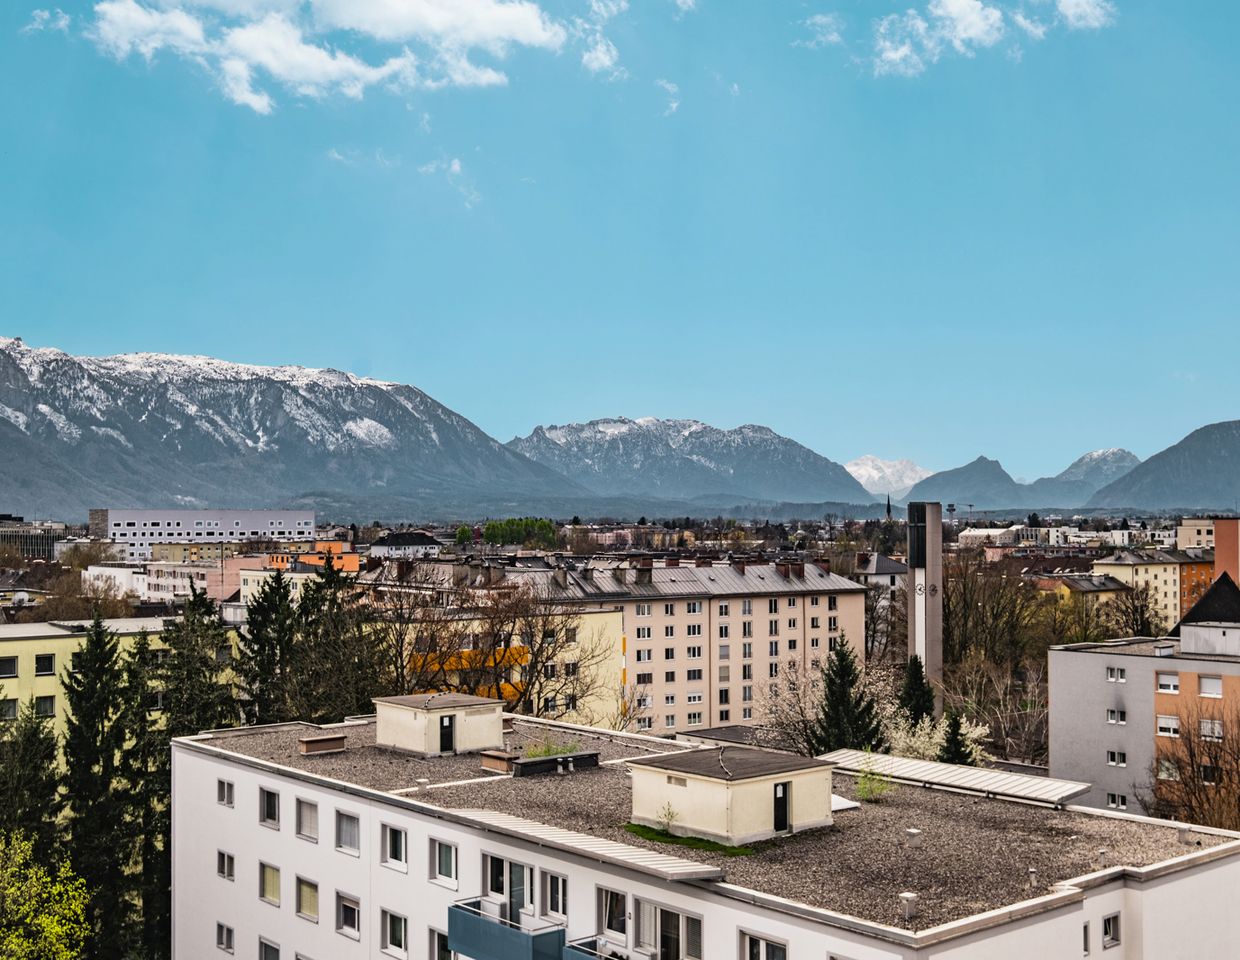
(144,769)
(97,831)
(43,915)
(955,747)
(28,770)
(264,651)
(196,697)
(847,716)
(464,535)
(916,694)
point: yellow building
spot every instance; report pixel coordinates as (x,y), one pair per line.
(34,656)
(188,552)
(1157,569)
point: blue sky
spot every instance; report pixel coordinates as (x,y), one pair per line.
(925,228)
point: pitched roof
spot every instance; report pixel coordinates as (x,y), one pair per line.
(732,763)
(1219,604)
(878,565)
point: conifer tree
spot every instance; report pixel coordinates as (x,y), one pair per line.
(196,696)
(265,649)
(955,747)
(916,694)
(28,771)
(98,837)
(848,716)
(144,772)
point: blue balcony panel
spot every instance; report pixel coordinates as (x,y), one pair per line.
(476,932)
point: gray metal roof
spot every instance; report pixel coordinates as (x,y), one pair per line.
(637,858)
(731,763)
(930,773)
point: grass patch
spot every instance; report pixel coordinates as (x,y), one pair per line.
(551,749)
(697,843)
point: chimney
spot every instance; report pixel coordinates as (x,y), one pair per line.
(494,574)
(701,561)
(460,573)
(621,574)
(587,573)
(739,566)
(672,562)
(783,569)
(643,575)
(560,576)
(798,570)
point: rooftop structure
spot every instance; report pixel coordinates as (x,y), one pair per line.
(549,866)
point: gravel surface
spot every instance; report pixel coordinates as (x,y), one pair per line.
(976,853)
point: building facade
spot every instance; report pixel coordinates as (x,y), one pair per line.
(138,530)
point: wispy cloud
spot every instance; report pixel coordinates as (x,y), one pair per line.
(453,174)
(825,30)
(1086,14)
(1035,29)
(47,20)
(601,55)
(673,96)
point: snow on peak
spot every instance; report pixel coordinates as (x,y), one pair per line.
(880,476)
(371,432)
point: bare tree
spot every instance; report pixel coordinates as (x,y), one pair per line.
(1195,776)
(791,705)
(1135,613)
(621,712)
(1011,702)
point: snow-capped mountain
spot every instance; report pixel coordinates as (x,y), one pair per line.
(1101,466)
(687,459)
(153,429)
(883,477)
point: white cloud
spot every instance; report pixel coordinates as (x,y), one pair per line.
(335,155)
(685,6)
(1034,28)
(47,20)
(673,96)
(735,89)
(453,173)
(123,27)
(491,25)
(1086,14)
(424,124)
(601,56)
(903,45)
(826,29)
(967,23)
(237,82)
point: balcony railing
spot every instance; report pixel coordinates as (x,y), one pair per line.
(480,929)
(598,948)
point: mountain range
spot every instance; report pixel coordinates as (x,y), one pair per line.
(160,430)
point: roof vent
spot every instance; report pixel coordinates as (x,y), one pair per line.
(1102,857)
(912,838)
(908,900)
(1164,649)
(1033,878)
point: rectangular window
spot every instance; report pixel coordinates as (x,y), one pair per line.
(439,947)
(725,696)
(1117,716)
(669,700)
(669,609)
(669,676)
(725,674)
(669,631)
(224,937)
(1167,770)
(695,718)
(772,628)
(307,899)
(555,895)
(643,609)
(225,865)
(45,706)
(645,679)
(8,708)
(643,656)
(643,633)
(724,651)
(1085,940)
(693,698)
(348,833)
(1211,686)
(268,808)
(613,910)
(723,609)
(773,648)
(792,623)
(394,846)
(833,603)
(1168,726)
(772,605)
(694,653)
(813,623)
(1209,773)
(723,631)
(669,720)
(746,713)
(395,932)
(669,653)
(8,667)
(773,669)
(644,723)
(44,664)
(1110,931)
(693,675)
(348,915)
(224,792)
(1117,758)
(1168,683)
(693,630)
(307,820)
(1117,675)
(269,883)
(1212,730)
(443,861)
(747,628)
(833,623)
(1117,801)
(792,602)
(693,606)
(746,671)
(755,948)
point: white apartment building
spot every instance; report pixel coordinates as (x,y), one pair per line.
(135,530)
(1194,532)
(439,829)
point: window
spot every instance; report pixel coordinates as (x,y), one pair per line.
(1117,801)
(1209,773)
(8,708)
(1211,686)
(643,633)
(747,694)
(772,628)
(1117,716)
(1110,931)
(813,623)
(695,718)
(833,623)
(268,808)
(772,605)
(8,666)
(694,653)
(773,648)
(693,675)
(643,656)
(746,651)
(1167,770)
(693,606)
(1117,675)
(643,610)
(393,850)
(348,915)
(669,631)
(747,628)
(443,861)
(755,948)
(269,883)
(725,716)
(555,895)
(723,609)
(746,607)
(44,664)
(510,881)
(45,706)
(1168,726)
(394,930)
(224,792)
(645,679)
(746,713)
(669,700)
(612,910)
(224,864)
(439,946)
(792,623)
(348,833)
(1168,683)
(308,820)
(669,609)
(693,630)
(224,937)
(723,631)
(669,676)
(693,698)
(724,696)
(307,899)
(833,603)
(1117,758)
(792,602)
(669,720)
(724,651)
(773,669)
(644,723)
(669,653)
(1085,939)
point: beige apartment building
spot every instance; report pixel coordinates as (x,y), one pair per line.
(1194,532)
(1157,569)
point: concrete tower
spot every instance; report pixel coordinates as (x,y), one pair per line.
(925,587)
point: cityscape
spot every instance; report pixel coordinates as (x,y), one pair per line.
(789,439)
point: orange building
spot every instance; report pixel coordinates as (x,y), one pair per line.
(342,556)
(1196,575)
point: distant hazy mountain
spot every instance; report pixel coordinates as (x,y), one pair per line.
(158,430)
(882,477)
(987,486)
(687,459)
(1202,471)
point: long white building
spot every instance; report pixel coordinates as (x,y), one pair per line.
(133,531)
(440,828)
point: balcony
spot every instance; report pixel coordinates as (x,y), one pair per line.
(597,948)
(476,929)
